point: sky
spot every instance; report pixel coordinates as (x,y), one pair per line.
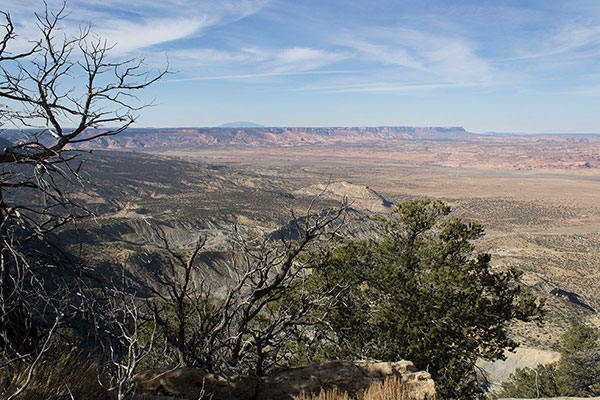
(503,66)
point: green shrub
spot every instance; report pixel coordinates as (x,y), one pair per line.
(576,374)
(532,383)
(420,292)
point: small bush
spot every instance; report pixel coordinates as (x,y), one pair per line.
(533,383)
(576,374)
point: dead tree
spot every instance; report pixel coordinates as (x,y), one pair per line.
(61,92)
(244,327)
(127,340)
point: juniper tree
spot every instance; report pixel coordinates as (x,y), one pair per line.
(419,291)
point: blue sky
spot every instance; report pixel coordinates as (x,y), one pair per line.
(519,66)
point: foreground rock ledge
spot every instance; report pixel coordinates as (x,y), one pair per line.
(350,376)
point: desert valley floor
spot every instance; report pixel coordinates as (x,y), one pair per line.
(537,196)
(544,221)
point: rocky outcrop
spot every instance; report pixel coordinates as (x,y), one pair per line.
(284,384)
(347,376)
(358,196)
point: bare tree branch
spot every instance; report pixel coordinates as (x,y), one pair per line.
(62,91)
(244,329)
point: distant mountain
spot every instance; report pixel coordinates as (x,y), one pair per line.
(240,124)
(190,138)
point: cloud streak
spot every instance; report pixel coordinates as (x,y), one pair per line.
(133,37)
(255,61)
(386,87)
(568,39)
(136,25)
(445,57)
(263,75)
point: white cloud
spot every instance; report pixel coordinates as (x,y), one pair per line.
(131,37)
(566,39)
(304,59)
(377,51)
(385,87)
(135,25)
(255,61)
(263,75)
(444,57)
(198,57)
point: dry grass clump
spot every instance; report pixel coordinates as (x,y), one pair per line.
(63,378)
(331,394)
(391,389)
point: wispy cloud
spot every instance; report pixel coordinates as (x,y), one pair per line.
(130,37)
(566,39)
(445,57)
(136,25)
(385,87)
(263,75)
(254,61)
(296,58)
(201,57)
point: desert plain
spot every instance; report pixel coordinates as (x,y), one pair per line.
(536,195)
